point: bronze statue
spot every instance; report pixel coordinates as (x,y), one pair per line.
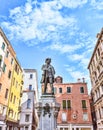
(48,75)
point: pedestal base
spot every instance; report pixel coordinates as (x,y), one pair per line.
(47,110)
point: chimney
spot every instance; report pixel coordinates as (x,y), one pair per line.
(83,80)
(78,80)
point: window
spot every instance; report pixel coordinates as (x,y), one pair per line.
(11,97)
(81,89)
(26,127)
(14,81)
(31,76)
(99,113)
(0,86)
(4,67)
(68,89)
(66,104)
(27,118)
(64,117)
(85,116)
(9,74)
(7,53)
(11,61)
(6,93)
(60,90)
(30,87)
(14,99)
(98,51)
(83,104)
(4,111)
(16,67)
(102,110)
(28,103)
(0,59)
(3,46)
(55,90)
(16,84)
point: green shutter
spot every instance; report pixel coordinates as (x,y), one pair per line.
(64,104)
(0,57)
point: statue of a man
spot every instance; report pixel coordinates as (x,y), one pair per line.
(48,75)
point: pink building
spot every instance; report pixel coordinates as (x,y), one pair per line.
(75,113)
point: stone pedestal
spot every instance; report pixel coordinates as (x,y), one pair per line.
(47,110)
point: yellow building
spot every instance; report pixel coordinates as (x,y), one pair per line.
(13,110)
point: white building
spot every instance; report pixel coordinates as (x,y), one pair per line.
(30,80)
(28,115)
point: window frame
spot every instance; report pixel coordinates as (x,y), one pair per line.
(31,76)
(6,93)
(29,103)
(30,86)
(0,86)
(4,68)
(66,104)
(69,88)
(60,90)
(9,74)
(85,115)
(3,46)
(27,117)
(82,90)
(84,104)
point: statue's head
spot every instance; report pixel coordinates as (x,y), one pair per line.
(48,60)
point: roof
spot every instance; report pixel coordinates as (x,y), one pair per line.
(30,70)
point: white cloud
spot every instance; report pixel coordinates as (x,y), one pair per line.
(43,23)
(73,3)
(97,5)
(75,74)
(63,48)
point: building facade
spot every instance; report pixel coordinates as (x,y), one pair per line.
(96,75)
(7,54)
(14,102)
(75,111)
(28,115)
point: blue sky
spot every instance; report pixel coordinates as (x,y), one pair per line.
(64,30)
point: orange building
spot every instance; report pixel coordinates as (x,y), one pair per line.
(75,111)
(7,53)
